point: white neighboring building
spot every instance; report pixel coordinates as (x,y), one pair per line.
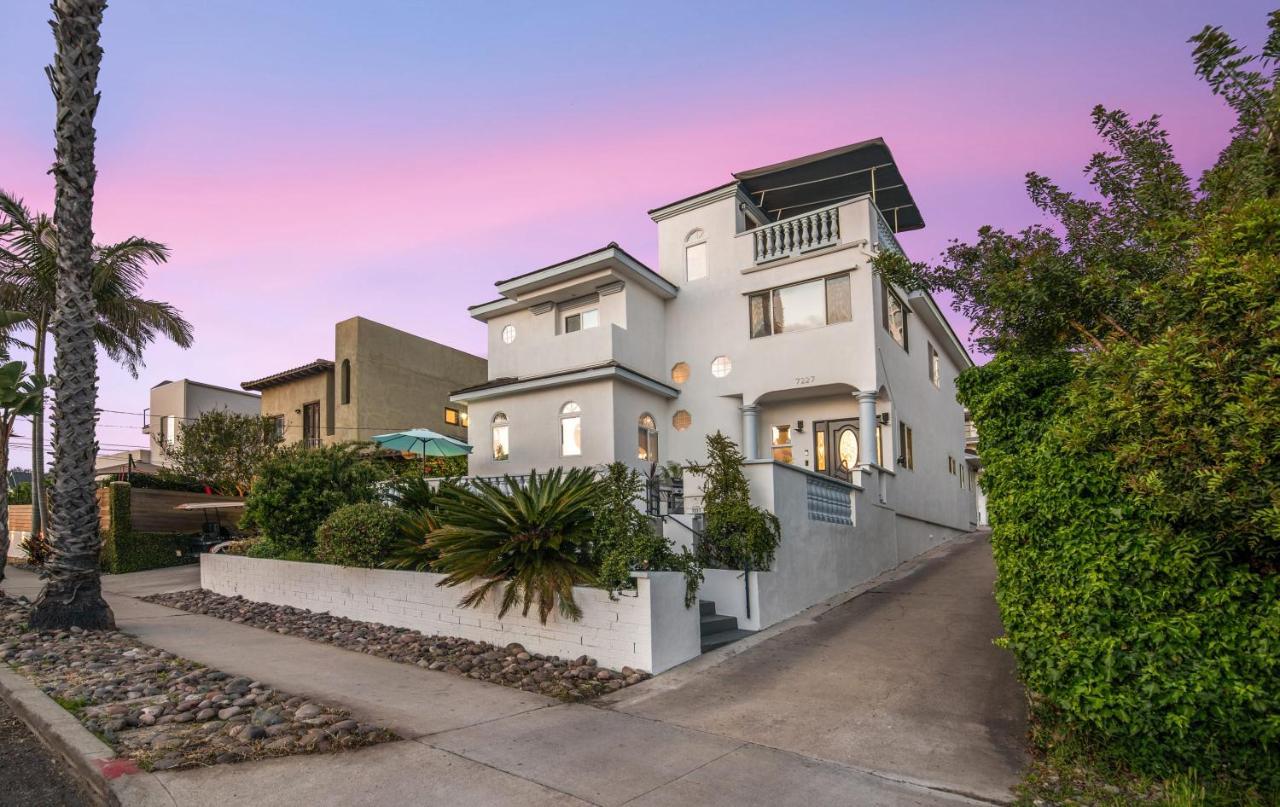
(174,403)
(764,321)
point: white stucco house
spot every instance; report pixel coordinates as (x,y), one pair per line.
(764,320)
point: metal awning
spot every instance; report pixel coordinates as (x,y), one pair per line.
(210,506)
(807,183)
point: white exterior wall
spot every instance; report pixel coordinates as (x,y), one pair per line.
(187,400)
(648,629)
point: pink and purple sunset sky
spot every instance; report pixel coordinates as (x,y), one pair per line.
(312,161)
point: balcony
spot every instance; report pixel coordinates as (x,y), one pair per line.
(852,221)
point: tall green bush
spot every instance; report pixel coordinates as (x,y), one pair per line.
(298,488)
(624,539)
(737,534)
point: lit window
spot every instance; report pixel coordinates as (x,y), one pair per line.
(647,447)
(695,261)
(509,334)
(895,317)
(847,449)
(582,321)
(935,367)
(820,449)
(720,366)
(464,419)
(570,430)
(680,372)
(501,437)
(451,416)
(681,420)
(811,304)
(782,443)
(907,458)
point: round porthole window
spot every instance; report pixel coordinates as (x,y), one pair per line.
(509,334)
(681,420)
(720,366)
(680,372)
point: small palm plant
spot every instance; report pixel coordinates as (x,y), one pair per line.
(531,540)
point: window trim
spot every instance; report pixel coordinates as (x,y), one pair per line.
(775,431)
(905,344)
(907,459)
(457,416)
(649,433)
(567,414)
(935,366)
(579,315)
(768,294)
(505,425)
(706,261)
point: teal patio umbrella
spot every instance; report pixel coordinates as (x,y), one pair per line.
(423,442)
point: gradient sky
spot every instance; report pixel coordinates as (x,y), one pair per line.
(312,161)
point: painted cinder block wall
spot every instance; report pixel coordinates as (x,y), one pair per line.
(646,629)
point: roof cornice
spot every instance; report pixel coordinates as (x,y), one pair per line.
(611,370)
(726,191)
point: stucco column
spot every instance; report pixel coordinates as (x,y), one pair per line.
(867,427)
(751,432)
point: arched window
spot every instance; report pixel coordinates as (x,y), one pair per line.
(501,437)
(647,448)
(570,430)
(346,381)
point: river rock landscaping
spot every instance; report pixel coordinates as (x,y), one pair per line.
(512,665)
(166,712)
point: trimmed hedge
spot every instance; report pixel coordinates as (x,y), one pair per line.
(124,550)
(1134,495)
(359,535)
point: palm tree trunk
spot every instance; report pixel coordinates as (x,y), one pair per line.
(38,511)
(6,431)
(72,596)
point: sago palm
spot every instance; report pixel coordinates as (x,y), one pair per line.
(72,596)
(530,540)
(124,324)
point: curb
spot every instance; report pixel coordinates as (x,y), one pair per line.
(109,780)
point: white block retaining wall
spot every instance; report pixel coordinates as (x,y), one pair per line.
(648,629)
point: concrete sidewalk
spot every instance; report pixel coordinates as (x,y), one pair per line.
(473,742)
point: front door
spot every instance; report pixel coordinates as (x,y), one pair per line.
(835,448)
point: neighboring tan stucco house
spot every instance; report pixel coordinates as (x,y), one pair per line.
(175,403)
(380,380)
(763,320)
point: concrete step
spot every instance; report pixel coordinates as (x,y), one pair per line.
(723,638)
(718,623)
(706,607)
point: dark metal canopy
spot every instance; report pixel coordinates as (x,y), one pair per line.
(808,183)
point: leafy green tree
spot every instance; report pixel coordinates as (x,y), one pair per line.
(297,488)
(531,540)
(72,595)
(124,324)
(737,534)
(20,396)
(223,449)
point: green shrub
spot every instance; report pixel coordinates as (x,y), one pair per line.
(358,534)
(20,493)
(625,539)
(1134,495)
(298,488)
(124,550)
(738,535)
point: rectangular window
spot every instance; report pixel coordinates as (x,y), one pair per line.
(647,448)
(935,367)
(582,321)
(782,443)
(951,465)
(464,419)
(799,307)
(278,423)
(695,261)
(907,458)
(880,427)
(311,424)
(820,448)
(451,416)
(169,425)
(501,442)
(895,317)
(571,436)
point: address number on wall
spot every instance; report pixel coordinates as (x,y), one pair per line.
(804,379)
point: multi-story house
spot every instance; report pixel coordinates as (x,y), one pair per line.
(380,380)
(174,403)
(765,321)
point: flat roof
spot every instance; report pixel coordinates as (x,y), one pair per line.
(292,374)
(802,184)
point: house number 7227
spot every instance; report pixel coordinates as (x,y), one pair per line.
(804,379)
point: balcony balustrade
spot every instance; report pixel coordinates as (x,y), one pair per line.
(797,234)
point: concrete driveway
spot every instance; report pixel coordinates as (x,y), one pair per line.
(903,681)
